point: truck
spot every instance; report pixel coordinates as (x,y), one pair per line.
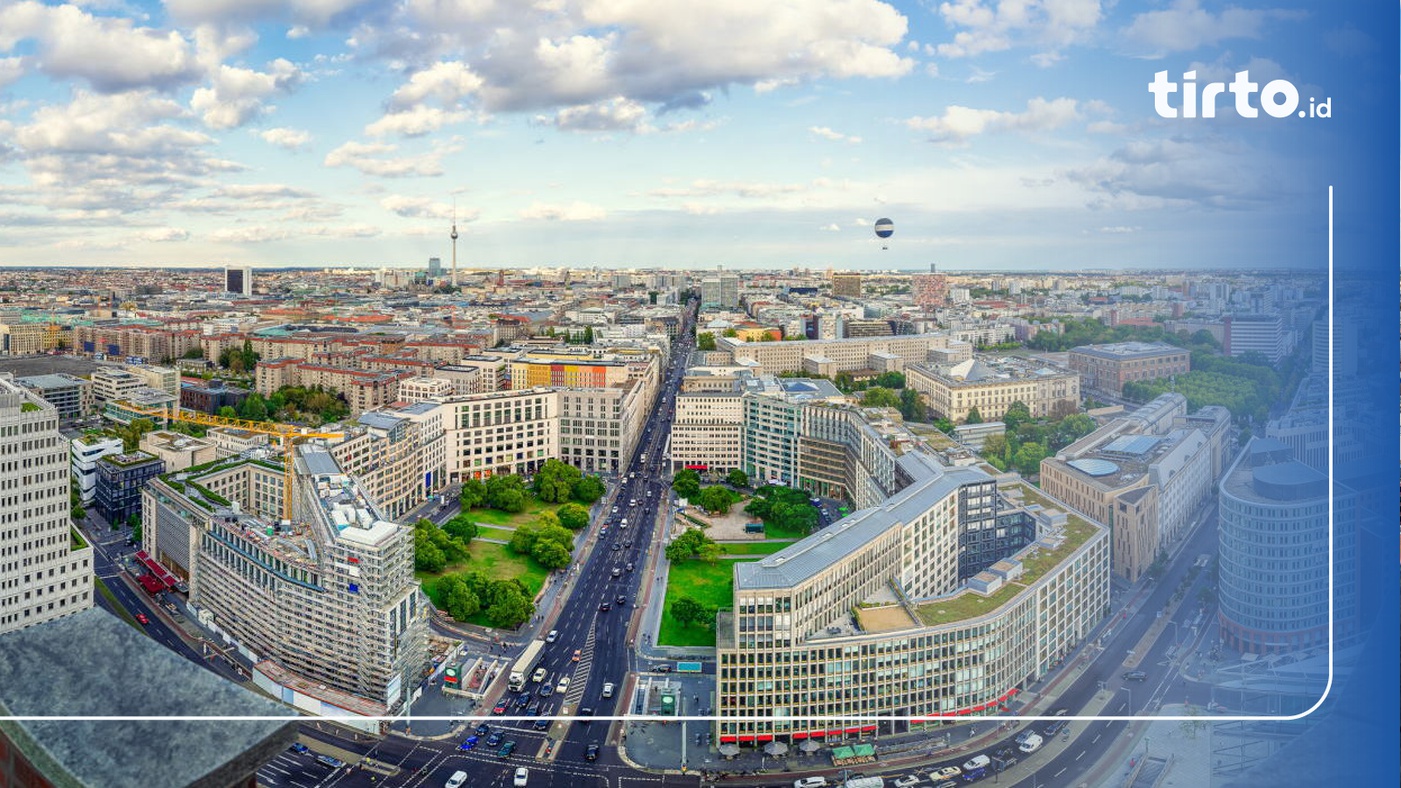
(525,665)
(865,782)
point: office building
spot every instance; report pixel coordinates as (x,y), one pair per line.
(930,291)
(177,450)
(125,673)
(114,383)
(705,433)
(500,432)
(238,281)
(71,395)
(992,384)
(231,441)
(1108,367)
(24,339)
(904,609)
(120,478)
(45,567)
(397,455)
(1274,564)
(848,355)
(1266,335)
(209,397)
(85,453)
(435,269)
(327,601)
(846,285)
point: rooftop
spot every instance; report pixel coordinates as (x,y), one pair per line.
(1127,350)
(138,677)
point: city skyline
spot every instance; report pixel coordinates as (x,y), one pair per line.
(341,133)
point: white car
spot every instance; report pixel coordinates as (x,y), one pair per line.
(1032,743)
(563,685)
(907,781)
(457,780)
(810,782)
(977,762)
(946,773)
(608,689)
(522,777)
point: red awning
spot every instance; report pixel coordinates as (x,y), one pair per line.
(867,728)
(697,467)
(764,737)
(151,584)
(798,736)
(853,730)
(748,738)
(728,739)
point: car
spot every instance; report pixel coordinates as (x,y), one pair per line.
(1061,712)
(947,784)
(142,619)
(563,685)
(523,700)
(506,750)
(615,510)
(546,690)
(591,752)
(663,668)
(817,781)
(605,607)
(553,636)
(522,777)
(976,762)
(470,743)
(1055,727)
(483,729)
(627,543)
(540,724)
(334,763)
(617,573)
(457,780)
(629,566)
(608,689)
(617,546)
(1135,675)
(298,747)
(495,738)
(499,708)
(533,711)
(907,781)
(603,531)
(578,654)
(946,773)
(621,600)
(1032,743)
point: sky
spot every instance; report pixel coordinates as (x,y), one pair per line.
(996,134)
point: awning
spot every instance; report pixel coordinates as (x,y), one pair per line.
(729,750)
(151,584)
(162,574)
(775,748)
(809,745)
(728,739)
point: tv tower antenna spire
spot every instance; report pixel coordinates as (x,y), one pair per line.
(453,236)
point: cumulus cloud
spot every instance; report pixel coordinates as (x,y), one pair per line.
(996,25)
(835,136)
(424,208)
(291,139)
(615,114)
(11,69)
(415,122)
(373,159)
(564,212)
(110,53)
(1151,174)
(712,188)
(316,12)
(236,94)
(957,124)
(162,234)
(252,234)
(1186,26)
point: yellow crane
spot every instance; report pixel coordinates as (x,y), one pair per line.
(286,434)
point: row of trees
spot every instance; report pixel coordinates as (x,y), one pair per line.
(783,509)
(714,499)
(692,543)
(908,401)
(298,404)
(557,481)
(506,603)
(435,547)
(1027,440)
(505,493)
(547,541)
(238,360)
(1089,331)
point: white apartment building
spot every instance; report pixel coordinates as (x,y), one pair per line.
(85,453)
(706,432)
(848,355)
(231,441)
(398,455)
(500,432)
(45,567)
(116,383)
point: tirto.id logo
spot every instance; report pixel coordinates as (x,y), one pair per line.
(1279,98)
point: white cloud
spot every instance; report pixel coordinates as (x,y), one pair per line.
(995,25)
(162,234)
(11,69)
(266,233)
(1186,26)
(712,188)
(564,212)
(833,228)
(835,136)
(298,31)
(316,12)
(372,159)
(291,139)
(958,123)
(616,114)
(1148,174)
(424,208)
(447,82)
(1119,229)
(109,53)
(414,122)
(237,94)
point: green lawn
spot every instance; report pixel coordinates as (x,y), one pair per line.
(492,532)
(495,561)
(778,532)
(710,584)
(752,548)
(533,508)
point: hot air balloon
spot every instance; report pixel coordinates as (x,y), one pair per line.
(884,229)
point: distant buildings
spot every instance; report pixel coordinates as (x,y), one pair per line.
(45,567)
(21,339)
(847,355)
(720,292)
(177,450)
(992,384)
(930,291)
(1108,367)
(1263,334)
(846,285)
(211,396)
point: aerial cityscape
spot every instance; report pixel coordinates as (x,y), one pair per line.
(812,393)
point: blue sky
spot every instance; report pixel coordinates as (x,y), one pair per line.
(996,133)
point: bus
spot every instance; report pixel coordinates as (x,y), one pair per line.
(689,667)
(525,665)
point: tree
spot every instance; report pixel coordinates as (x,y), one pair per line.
(1028,459)
(686,483)
(731,332)
(506,493)
(738,478)
(427,556)
(717,499)
(995,450)
(890,380)
(588,489)
(973,417)
(461,528)
(473,494)
(705,341)
(573,516)
(78,512)
(709,551)
(554,481)
(678,551)
(136,532)
(687,611)
(944,425)
(880,398)
(510,607)
(1017,414)
(912,406)
(549,554)
(523,540)
(459,599)
(133,520)
(254,407)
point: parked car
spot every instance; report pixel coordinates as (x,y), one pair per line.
(499,708)
(483,729)
(946,773)
(334,763)
(605,607)
(1135,675)
(298,747)
(495,738)
(142,619)
(457,780)
(578,653)
(470,743)
(907,781)
(553,636)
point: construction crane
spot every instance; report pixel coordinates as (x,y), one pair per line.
(286,434)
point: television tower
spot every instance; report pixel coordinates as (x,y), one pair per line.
(453,236)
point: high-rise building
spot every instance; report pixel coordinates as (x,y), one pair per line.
(1263,334)
(729,291)
(238,281)
(435,268)
(45,569)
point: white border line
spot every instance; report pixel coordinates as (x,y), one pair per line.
(1212,718)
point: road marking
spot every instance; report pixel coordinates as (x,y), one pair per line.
(1095,740)
(1082,752)
(1059,773)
